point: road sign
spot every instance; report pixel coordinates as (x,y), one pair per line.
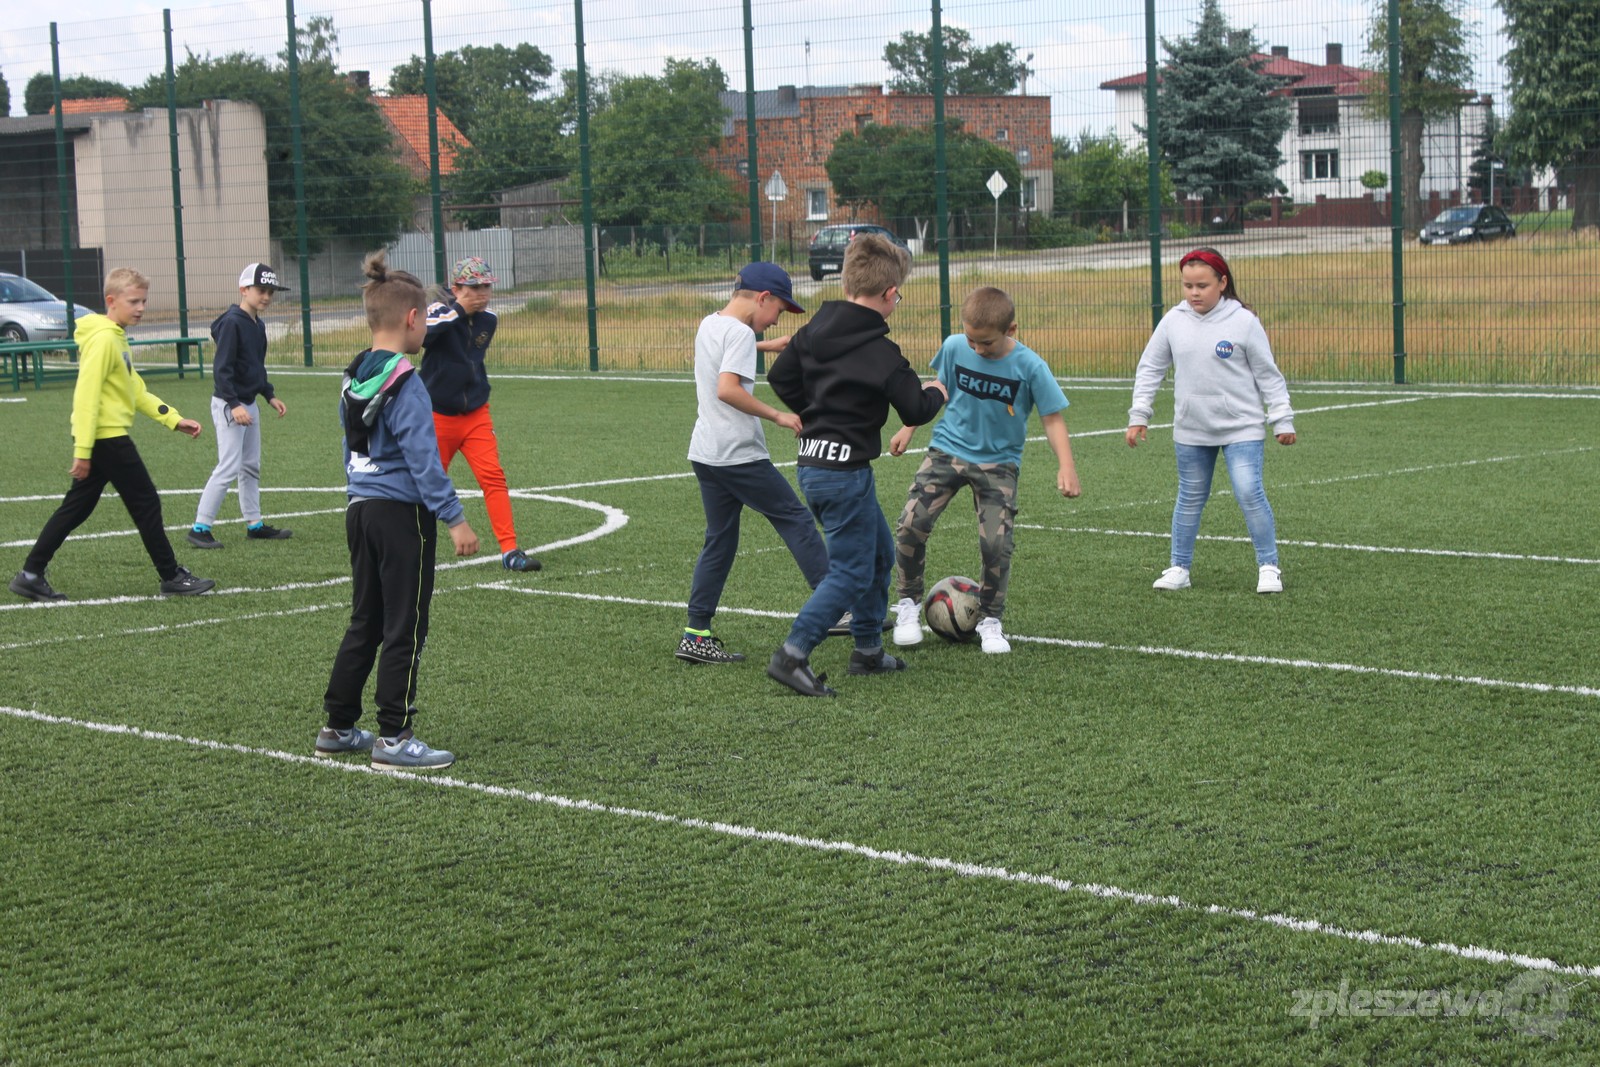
(996,184)
(776,189)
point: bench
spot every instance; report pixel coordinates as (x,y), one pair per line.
(25,359)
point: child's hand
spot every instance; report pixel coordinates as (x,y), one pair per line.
(465,540)
(188,426)
(279,407)
(1067,483)
(1135,435)
(937,384)
(241,415)
(788,420)
(1286,438)
(901,440)
(80,469)
(773,344)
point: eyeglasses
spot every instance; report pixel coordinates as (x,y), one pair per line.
(898,295)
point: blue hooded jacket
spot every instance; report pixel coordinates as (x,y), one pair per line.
(391,451)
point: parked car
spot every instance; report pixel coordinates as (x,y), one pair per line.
(30,313)
(827,246)
(1469,222)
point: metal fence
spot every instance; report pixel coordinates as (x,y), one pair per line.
(617,163)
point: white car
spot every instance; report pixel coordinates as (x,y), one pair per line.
(30,313)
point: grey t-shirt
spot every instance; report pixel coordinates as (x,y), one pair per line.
(724,435)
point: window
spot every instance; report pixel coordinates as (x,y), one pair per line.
(1318,166)
(862,122)
(816,203)
(1002,135)
(1319,114)
(1030,194)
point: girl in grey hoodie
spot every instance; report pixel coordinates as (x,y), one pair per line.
(1223,376)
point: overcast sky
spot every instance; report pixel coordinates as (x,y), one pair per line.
(1072,53)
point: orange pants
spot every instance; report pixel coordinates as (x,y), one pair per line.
(472,435)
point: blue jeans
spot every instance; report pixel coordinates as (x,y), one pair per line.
(860,558)
(1196,463)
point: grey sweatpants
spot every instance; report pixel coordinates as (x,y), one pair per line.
(238,456)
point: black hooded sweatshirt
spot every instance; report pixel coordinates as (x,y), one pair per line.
(840,374)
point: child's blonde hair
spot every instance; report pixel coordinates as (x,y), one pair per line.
(124,278)
(389,294)
(873,264)
(988,308)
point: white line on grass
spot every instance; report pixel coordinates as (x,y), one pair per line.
(1172,902)
(1512,557)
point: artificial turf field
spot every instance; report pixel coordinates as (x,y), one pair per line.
(1350,823)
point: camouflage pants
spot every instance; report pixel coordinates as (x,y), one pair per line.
(994,498)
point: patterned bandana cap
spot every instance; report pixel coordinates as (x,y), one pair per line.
(473,271)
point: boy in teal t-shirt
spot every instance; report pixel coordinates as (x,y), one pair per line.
(994,381)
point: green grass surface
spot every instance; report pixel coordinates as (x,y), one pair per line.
(167,901)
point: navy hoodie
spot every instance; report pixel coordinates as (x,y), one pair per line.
(239,369)
(452,366)
(841,374)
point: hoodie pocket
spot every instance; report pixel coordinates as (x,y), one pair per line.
(1207,413)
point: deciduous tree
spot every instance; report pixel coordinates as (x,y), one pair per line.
(38,97)
(969,71)
(1555,95)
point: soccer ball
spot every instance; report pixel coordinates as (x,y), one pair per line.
(952,608)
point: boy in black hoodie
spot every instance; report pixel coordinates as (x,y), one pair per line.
(840,374)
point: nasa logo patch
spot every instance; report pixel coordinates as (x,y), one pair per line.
(1224,349)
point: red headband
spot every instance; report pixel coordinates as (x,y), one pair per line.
(1210,259)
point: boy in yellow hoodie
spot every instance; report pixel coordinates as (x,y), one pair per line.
(109,391)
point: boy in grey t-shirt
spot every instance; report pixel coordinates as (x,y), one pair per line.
(728,451)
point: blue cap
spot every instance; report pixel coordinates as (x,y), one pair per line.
(769,278)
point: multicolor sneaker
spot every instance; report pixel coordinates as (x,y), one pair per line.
(407,753)
(202,539)
(264,533)
(518,560)
(698,648)
(331,742)
(35,588)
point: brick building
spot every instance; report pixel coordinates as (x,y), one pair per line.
(797,125)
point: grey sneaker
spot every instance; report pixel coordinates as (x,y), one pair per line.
(185,584)
(34,588)
(202,539)
(879,662)
(331,742)
(407,753)
(842,627)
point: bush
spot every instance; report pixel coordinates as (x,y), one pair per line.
(1047,232)
(1258,209)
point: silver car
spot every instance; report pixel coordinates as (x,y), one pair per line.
(29,313)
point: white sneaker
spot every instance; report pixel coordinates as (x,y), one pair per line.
(1270,581)
(1172,578)
(907,622)
(993,640)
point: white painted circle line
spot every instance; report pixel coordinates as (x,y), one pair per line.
(1290,923)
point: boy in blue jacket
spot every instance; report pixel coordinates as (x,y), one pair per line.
(398,492)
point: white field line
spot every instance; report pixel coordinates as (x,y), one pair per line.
(1510,557)
(962,869)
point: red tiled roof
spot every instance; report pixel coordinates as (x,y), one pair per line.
(93,105)
(1342,78)
(408,116)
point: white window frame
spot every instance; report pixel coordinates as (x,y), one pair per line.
(1029,194)
(1325,160)
(812,212)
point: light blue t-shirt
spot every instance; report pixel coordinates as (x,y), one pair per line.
(986,420)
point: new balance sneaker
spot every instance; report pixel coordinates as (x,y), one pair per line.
(202,539)
(1270,580)
(408,753)
(1172,578)
(265,533)
(994,642)
(695,648)
(879,662)
(796,674)
(185,584)
(35,588)
(518,560)
(907,622)
(331,742)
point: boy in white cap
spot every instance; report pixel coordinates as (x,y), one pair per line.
(239,374)
(459,333)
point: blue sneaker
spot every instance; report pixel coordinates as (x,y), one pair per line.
(518,560)
(331,742)
(407,753)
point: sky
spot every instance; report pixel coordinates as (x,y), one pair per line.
(1075,44)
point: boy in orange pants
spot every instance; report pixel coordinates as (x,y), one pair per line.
(459,332)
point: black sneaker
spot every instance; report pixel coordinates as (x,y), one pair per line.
(202,539)
(264,533)
(518,560)
(696,649)
(34,588)
(879,662)
(842,627)
(185,584)
(796,674)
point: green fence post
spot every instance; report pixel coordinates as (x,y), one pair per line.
(1397,206)
(753,178)
(941,172)
(435,195)
(177,196)
(587,180)
(299,149)
(62,200)
(1152,107)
